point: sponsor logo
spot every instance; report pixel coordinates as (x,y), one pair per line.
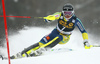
(57,15)
(70,25)
(80,26)
(47,37)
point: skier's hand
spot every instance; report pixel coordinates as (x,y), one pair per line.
(87,45)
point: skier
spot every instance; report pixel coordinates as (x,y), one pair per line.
(67,21)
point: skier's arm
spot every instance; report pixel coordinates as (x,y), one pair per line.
(82,29)
(84,33)
(52,17)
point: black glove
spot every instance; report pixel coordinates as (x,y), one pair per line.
(87,45)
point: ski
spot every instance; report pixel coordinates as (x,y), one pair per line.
(61,50)
(55,50)
(96,45)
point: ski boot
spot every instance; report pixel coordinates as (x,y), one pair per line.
(38,52)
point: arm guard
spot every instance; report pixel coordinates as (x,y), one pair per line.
(85,36)
(53,17)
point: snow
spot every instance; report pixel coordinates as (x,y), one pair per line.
(31,35)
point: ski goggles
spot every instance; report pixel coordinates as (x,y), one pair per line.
(68,12)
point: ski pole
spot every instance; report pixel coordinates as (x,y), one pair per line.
(25,17)
(50,17)
(95,45)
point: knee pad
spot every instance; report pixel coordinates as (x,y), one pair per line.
(65,39)
(41,44)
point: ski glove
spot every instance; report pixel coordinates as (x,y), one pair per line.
(87,45)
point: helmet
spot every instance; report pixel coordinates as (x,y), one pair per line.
(68,10)
(68,7)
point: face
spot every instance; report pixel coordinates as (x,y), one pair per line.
(68,14)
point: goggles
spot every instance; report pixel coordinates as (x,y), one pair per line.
(68,12)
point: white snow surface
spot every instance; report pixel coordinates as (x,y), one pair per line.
(31,35)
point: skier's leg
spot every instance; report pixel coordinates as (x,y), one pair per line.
(26,52)
(51,43)
(50,40)
(47,41)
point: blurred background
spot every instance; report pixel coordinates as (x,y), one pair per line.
(86,10)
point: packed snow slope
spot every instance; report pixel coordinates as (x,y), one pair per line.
(29,36)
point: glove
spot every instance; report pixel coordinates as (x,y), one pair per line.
(87,45)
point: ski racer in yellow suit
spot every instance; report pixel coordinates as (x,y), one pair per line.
(67,21)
